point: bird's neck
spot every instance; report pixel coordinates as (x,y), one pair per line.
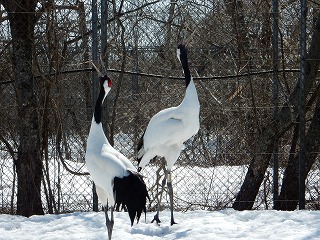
(96,136)
(98,106)
(190,101)
(187,75)
(186,70)
(191,97)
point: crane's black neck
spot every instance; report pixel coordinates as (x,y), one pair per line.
(98,106)
(185,66)
(187,74)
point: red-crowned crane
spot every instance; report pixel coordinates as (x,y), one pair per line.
(169,129)
(116,179)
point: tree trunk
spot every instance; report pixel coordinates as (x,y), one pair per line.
(28,164)
(288,199)
(274,130)
(289,196)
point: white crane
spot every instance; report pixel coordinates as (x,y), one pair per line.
(116,179)
(169,129)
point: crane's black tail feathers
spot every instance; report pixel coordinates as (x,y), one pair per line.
(131,192)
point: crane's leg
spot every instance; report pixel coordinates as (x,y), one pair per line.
(156,217)
(109,222)
(169,184)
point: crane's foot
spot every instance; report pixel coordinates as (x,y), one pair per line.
(109,225)
(173,222)
(156,218)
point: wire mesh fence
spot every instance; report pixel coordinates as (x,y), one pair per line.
(231,60)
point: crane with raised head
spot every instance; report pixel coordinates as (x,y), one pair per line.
(169,129)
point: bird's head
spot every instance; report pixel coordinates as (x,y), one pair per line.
(106,83)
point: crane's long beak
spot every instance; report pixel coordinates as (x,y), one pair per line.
(98,71)
(190,38)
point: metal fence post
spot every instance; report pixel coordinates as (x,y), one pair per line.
(275,94)
(104,32)
(104,55)
(302,151)
(94,77)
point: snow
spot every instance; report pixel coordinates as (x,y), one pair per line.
(200,224)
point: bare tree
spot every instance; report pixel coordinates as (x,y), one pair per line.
(22,17)
(289,195)
(274,130)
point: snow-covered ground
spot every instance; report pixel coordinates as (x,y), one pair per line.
(204,225)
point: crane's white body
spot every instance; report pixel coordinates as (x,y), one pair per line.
(170,128)
(104,163)
(116,180)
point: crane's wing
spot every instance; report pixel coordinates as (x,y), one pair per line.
(164,128)
(109,151)
(104,167)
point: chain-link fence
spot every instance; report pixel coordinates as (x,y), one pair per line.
(231,58)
